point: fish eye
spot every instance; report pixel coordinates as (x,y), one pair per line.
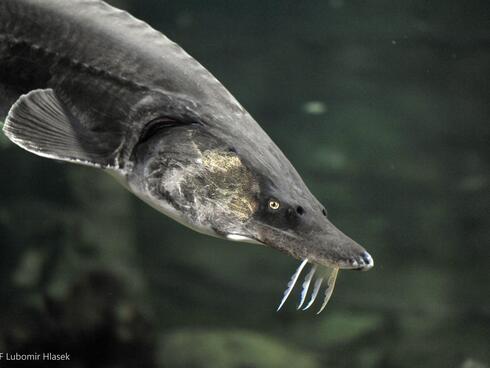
(274,204)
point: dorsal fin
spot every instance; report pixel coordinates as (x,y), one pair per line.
(40,123)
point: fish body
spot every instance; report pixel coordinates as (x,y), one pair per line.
(83,82)
(107,66)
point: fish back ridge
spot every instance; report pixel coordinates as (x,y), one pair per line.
(96,35)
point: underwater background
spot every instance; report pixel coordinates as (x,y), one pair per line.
(384,109)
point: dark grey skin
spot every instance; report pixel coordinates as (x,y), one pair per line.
(104,89)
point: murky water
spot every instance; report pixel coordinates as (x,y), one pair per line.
(384,109)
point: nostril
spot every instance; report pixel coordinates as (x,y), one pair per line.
(300,210)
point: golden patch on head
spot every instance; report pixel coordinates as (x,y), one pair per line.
(230,183)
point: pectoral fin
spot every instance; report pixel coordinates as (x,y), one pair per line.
(40,123)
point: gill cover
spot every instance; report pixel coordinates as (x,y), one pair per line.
(196,178)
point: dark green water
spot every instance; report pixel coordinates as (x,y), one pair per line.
(383,107)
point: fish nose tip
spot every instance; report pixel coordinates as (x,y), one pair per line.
(363,262)
(366,261)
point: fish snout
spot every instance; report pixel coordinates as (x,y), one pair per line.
(338,250)
(363,262)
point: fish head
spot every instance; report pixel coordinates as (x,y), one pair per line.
(290,219)
(241,188)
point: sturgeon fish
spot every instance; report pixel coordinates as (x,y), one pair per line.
(84,82)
